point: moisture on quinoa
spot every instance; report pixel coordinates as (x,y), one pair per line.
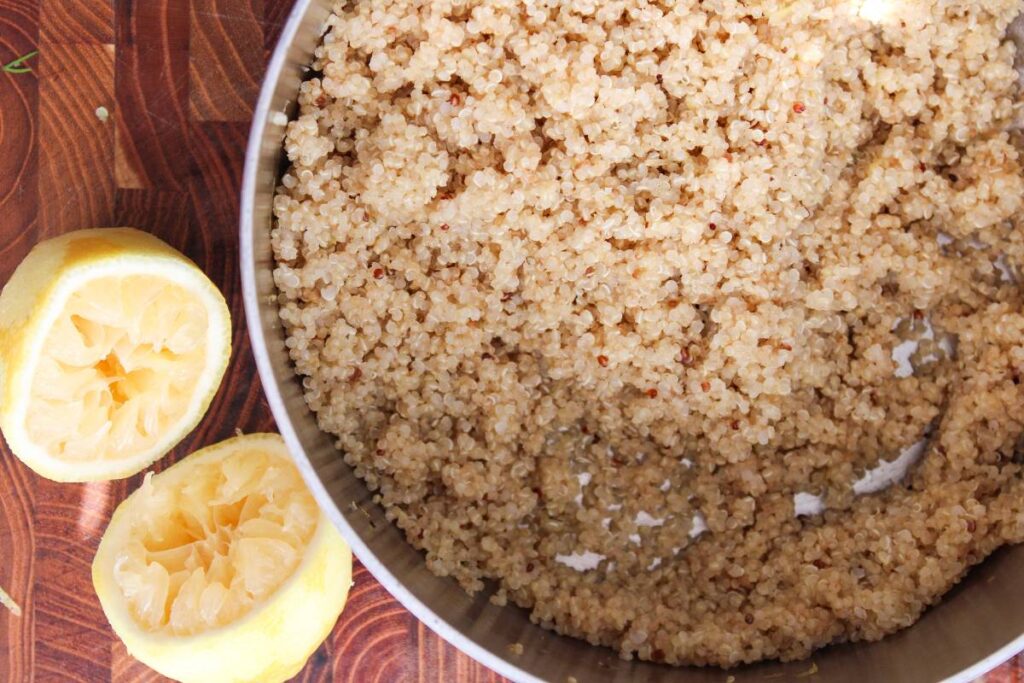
(630,306)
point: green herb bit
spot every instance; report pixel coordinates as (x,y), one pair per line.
(18,66)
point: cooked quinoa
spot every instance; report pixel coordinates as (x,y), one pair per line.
(630,306)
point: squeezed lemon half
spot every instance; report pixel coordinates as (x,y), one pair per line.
(222,568)
(112,345)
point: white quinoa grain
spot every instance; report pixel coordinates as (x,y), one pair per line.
(562,275)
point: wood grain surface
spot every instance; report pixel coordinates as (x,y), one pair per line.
(179,79)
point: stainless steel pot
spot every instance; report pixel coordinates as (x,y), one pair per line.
(974,628)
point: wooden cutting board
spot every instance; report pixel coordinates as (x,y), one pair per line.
(136,112)
(178,79)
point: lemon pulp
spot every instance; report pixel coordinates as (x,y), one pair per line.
(118,368)
(201,556)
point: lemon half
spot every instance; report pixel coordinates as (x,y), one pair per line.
(222,568)
(112,345)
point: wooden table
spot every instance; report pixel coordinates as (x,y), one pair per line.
(178,79)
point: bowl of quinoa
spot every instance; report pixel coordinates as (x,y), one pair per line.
(691,329)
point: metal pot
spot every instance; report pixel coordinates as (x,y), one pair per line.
(975,627)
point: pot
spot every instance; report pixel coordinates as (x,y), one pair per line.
(975,627)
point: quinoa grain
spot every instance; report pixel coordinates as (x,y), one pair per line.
(578,177)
